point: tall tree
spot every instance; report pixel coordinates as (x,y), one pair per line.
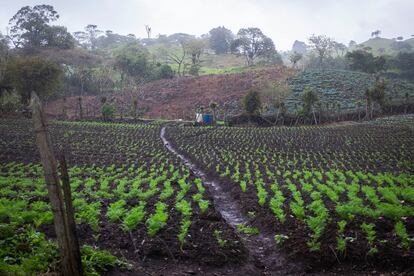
(376,33)
(339,48)
(322,45)
(88,38)
(252,43)
(93,33)
(294,58)
(364,61)
(4,57)
(352,44)
(59,37)
(132,61)
(194,48)
(33,74)
(30,28)
(375,95)
(179,58)
(220,40)
(148,29)
(111,40)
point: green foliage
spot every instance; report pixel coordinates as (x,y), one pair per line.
(27,74)
(220,40)
(261,193)
(26,251)
(253,44)
(401,232)
(132,59)
(108,111)
(243,185)
(252,102)
(203,205)
(116,210)
(95,261)
(31,29)
(184,207)
(134,216)
(309,98)
(88,213)
(185,225)
(9,100)
(220,241)
(370,235)
(168,190)
(341,241)
(280,239)
(317,223)
(346,87)
(158,220)
(165,72)
(249,231)
(276,203)
(364,61)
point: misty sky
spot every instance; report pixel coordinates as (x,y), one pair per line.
(283,21)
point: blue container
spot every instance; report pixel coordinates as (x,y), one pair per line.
(207,119)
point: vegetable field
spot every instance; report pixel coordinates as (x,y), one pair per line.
(335,196)
(342,90)
(329,194)
(131,197)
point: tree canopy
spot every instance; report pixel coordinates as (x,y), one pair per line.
(27,74)
(252,43)
(220,40)
(364,61)
(322,46)
(30,29)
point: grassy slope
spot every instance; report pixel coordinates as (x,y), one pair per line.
(385,43)
(210,63)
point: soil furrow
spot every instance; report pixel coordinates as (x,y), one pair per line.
(264,256)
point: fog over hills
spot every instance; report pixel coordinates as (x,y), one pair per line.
(283,21)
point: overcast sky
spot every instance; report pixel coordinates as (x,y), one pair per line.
(283,21)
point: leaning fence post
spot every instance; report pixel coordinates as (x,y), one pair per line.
(70,224)
(49,164)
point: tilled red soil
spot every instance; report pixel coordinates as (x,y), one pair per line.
(175,98)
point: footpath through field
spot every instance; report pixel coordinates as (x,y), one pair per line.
(263,253)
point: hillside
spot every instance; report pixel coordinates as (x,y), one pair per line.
(344,87)
(178,98)
(381,45)
(210,62)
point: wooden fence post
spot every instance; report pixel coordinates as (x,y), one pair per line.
(74,251)
(47,157)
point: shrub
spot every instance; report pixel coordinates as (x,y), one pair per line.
(108,111)
(252,102)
